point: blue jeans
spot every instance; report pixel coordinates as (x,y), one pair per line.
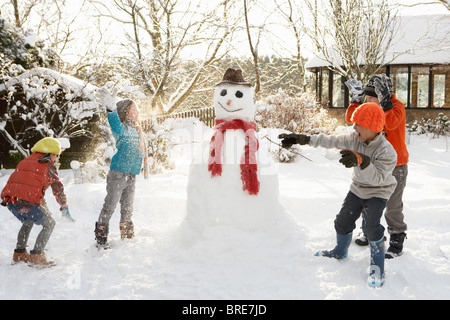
(351,211)
(36,214)
(29,216)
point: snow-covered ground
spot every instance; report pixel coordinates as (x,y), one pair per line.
(168,260)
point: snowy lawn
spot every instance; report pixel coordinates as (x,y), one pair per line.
(167,260)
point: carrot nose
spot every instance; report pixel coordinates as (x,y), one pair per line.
(228,102)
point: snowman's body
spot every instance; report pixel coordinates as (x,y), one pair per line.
(221,199)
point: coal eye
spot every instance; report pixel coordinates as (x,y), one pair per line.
(239,94)
(223,92)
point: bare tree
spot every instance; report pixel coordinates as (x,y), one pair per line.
(446,3)
(159,33)
(21,14)
(253,49)
(56,24)
(353,36)
(288,12)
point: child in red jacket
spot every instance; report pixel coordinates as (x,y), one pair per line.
(24,195)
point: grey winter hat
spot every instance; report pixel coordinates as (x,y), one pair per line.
(122,106)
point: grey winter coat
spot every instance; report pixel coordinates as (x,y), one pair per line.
(376,180)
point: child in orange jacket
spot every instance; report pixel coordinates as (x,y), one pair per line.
(379,90)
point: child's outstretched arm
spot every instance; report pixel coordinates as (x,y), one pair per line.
(58,192)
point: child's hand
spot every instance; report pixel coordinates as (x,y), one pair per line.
(106,98)
(290,139)
(66,214)
(351,159)
(383,93)
(356,90)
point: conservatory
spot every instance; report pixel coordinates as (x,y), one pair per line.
(420,75)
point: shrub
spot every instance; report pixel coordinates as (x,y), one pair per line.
(300,114)
(440,126)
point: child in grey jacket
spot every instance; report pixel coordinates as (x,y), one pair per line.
(373,159)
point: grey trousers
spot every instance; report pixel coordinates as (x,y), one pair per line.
(394,207)
(42,238)
(120,186)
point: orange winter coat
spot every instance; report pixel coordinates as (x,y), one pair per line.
(395,128)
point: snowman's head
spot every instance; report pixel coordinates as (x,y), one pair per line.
(233,98)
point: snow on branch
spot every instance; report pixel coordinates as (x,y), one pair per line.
(43,102)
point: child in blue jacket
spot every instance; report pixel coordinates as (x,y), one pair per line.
(123,117)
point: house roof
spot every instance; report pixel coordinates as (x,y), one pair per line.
(419,40)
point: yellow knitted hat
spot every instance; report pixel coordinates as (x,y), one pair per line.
(47,145)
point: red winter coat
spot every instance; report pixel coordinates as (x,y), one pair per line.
(395,128)
(29,181)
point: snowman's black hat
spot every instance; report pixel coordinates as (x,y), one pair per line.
(234,76)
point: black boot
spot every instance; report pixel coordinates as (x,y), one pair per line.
(101,235)
(362,240)
(395,245)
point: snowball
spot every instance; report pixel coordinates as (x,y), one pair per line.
(65,143)
(75,165)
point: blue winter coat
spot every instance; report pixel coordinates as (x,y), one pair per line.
(127,158)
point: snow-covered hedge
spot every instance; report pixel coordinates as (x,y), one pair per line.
(440,126)
(42,102)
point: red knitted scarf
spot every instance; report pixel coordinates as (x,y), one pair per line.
(248,160)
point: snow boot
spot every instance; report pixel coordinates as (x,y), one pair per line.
(341,249)
(38,259)
(376,272)
(20,255)
(395,245)
(101,235)
(362,240)
(126,230)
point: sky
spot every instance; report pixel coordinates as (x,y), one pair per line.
(112,32)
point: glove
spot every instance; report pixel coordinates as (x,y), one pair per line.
(66,214)
(351,159)
(382,90)
(290,139)
(106,98)
(356,90)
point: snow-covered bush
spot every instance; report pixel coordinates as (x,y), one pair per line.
(286,155)
(42,102)
(158,141)
(417,127)
(23,48)
(299,114)
(440,126)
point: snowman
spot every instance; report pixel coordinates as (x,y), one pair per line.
(233,181)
